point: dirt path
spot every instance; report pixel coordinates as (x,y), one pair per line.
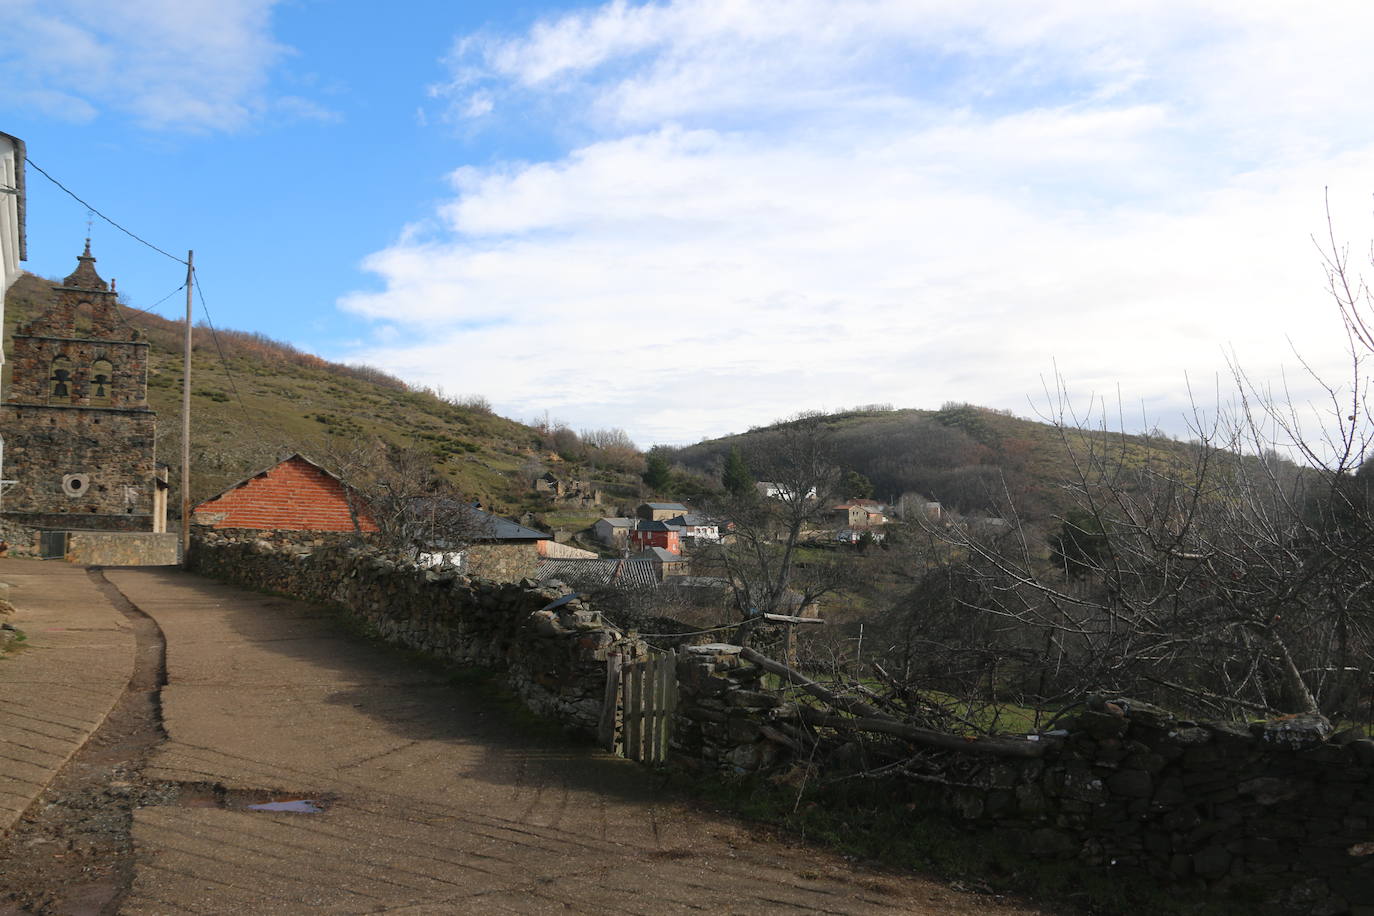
(427,798)
(71,851)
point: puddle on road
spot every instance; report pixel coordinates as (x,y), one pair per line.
(299,805)
(215,796)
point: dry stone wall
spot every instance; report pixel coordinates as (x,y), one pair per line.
(123,548)
(20,540)
(1279,813)
(554,660)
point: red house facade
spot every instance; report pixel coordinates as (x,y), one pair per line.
(655,534)
(295,494)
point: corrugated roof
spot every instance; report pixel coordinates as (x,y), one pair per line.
(659,554)
(604,573)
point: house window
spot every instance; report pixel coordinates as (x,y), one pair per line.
(61,378)
(76,484)
(102,380)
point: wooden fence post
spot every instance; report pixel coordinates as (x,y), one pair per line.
(610,704)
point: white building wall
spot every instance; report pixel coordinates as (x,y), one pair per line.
(11,214)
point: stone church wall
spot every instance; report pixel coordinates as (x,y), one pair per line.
(110,452)
(79,438)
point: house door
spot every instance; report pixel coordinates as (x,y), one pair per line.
(52,545)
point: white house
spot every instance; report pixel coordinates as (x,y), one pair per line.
(772,490)
(695,526)
(12,242)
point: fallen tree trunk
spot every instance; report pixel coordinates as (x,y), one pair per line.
(797,679)
(997,747)
(867,718)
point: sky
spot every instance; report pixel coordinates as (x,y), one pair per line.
(690,217)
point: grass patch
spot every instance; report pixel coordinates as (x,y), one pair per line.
(12,641)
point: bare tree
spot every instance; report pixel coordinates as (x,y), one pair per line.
(1233,574)
(416,510)
(800,480)
(1217,573)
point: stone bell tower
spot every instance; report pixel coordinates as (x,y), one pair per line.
(78,432)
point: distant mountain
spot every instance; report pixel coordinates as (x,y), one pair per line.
(254,400)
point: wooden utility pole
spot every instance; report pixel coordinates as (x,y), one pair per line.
(186,421)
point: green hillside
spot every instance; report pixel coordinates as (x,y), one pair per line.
(973,460)
(254,400)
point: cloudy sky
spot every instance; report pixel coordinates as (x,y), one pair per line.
(685,218)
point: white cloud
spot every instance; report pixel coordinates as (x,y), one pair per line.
(791,205)
(185,64)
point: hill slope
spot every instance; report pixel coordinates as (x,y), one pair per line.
(972,459)
(254,400)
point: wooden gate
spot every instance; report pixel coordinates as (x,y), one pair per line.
(641,698)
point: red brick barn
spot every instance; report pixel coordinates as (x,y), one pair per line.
(295,494)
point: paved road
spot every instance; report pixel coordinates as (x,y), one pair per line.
(74,664)
(435,800)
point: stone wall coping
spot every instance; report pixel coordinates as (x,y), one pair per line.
(86,407)
(715,648)
(103,341)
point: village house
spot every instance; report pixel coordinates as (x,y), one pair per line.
(295,494)
(655,534)
(298,495)
(666,562)
(779,490)
(575,493)
(859,513)
(613,532)
(916,507)
(695,527)
(13,245)
(658,512)
(495,547)
(548,484)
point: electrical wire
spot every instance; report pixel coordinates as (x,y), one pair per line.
(730,626)
(143,241)
(149,310)
(224,361)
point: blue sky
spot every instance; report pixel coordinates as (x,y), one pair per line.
(688,217)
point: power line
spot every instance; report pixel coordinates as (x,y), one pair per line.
(224,361)
(149,310)
(39,170)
